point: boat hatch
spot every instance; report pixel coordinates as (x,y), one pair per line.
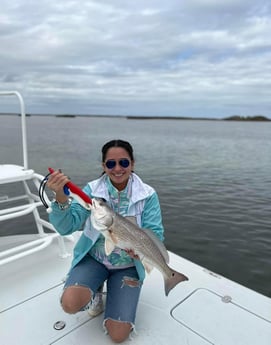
(220,320)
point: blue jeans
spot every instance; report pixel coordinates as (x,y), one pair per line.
(123,287)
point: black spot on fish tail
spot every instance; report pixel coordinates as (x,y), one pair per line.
(174,279)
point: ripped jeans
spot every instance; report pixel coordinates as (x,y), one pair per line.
(123,287)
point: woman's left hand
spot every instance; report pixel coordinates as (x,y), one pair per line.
(132,254)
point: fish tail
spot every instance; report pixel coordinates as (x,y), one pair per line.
(174,279)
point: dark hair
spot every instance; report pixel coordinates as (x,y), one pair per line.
(117,143)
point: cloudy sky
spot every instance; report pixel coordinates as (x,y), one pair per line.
(198,58)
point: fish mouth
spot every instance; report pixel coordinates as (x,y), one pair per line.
(96,202)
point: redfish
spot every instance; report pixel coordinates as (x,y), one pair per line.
(121,232)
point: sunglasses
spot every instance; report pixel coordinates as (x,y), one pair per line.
(111,163)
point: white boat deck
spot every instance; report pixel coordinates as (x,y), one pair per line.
(207,309)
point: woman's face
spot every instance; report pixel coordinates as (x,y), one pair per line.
(115,166)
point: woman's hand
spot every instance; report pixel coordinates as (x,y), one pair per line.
(56,182)
(132,254)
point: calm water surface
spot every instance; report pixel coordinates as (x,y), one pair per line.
(212,177)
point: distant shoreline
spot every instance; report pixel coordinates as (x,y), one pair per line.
(255,118)
(231,118)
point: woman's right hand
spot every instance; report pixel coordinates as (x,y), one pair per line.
(56,182)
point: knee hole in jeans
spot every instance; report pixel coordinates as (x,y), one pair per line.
(131,282)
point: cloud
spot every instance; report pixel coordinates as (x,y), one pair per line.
(187,58)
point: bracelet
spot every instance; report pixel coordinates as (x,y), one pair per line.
(63,206)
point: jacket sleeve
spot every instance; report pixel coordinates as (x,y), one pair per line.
(71,219)
(152,217)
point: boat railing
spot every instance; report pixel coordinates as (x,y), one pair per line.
(26,203)
(23,123)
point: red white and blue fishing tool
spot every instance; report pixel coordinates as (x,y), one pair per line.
(70,189)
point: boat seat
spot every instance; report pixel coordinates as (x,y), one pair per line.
(27,202)
(14,173)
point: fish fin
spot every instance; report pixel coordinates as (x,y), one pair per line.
(147,266)
(158,242)
(174,279)
(114,238)
(132,219)
(108,246)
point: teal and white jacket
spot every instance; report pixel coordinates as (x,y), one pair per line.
(143,204)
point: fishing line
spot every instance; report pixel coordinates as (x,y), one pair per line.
(41,190)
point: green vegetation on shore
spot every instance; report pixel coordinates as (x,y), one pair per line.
(247,118)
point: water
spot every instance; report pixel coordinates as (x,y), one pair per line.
(212,177)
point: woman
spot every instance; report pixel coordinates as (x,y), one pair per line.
(126,193)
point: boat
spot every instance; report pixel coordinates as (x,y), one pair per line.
(207,309)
